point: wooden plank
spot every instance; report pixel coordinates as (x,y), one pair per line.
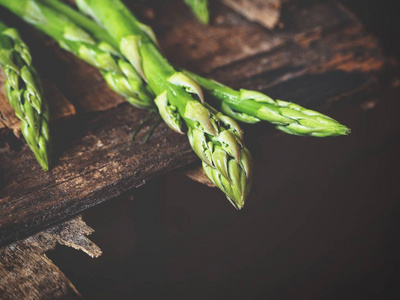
(27,273)
(232,39)
(321,55)
(97,161)
(345,49)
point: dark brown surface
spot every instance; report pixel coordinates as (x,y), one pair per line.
(322,222)
(321,56)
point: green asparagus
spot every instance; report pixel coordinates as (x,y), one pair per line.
(252,106)
(25,94)
(119,74)
(243,105)
(200,9)
(215,138)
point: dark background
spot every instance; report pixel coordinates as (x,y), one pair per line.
(326,227)
(380,18)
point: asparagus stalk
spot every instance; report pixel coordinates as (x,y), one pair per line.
(252,107)
(25,94)
(200,9)
(215,138)
(119,74)
(243,105)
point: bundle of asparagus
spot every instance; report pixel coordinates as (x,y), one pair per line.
(96,50)
(216,138)
(25,94)
(121,40)
(244,105)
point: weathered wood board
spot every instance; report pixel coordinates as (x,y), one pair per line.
(27,273)
(320,56)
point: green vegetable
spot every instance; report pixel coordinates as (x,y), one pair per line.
(200,9)
(215,138)
(243,105)
(119,74)
(251,107)
(25,94)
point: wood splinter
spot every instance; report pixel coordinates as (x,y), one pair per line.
(27,273)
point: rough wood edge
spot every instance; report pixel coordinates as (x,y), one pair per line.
(27,273)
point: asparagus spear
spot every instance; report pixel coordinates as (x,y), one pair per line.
(200,9)
(243,105)
(215,138)
(251,107)
(25,94)
(120,76)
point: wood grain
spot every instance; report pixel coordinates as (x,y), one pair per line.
(27,273)
(322,55)
(97,161)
